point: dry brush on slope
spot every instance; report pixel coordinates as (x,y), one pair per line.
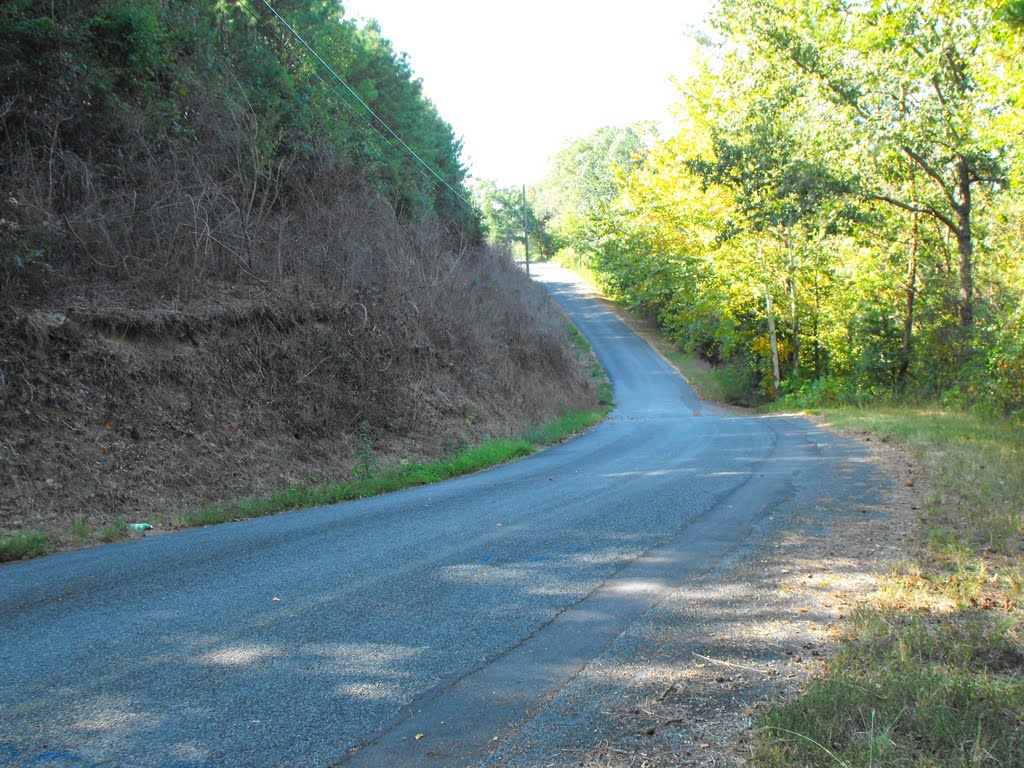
(116,404)
(217,279)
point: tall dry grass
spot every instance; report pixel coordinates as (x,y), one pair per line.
(275,312)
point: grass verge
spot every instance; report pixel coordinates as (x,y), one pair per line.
(726,384)
(932,671)
(29,544)
(597,373)
(399,476)
(383,480)
(23,545)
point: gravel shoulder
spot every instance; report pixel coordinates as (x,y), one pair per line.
(681,687)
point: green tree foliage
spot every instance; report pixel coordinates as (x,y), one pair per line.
(904,77)
(1013,13)
(108,107)
(501,211)
(504,220)
(839,202)
(583,183)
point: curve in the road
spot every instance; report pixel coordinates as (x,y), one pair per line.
(449,613)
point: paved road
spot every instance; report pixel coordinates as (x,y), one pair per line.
(452,613)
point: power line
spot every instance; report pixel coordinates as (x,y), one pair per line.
(355,95)
(345,102)
(328,86)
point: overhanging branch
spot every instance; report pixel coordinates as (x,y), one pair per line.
(927,210)
(930,170)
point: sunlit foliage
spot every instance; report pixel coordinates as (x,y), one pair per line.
(838,203)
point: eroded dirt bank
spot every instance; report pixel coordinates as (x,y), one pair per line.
(116,406)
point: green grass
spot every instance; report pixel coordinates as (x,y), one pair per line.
(597,373)
(909,691)
(729,384)
(563,427)
(605,396)
(578,339)
(933,674)
(399,476)
(80,530)
(115,531)
(974,464)
(23,545)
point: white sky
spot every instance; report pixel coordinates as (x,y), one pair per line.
(518,79)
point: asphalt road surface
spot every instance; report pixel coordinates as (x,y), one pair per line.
(426,627)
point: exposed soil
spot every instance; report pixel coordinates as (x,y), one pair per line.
(117,406)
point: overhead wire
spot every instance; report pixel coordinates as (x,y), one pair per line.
(345,102)
(356,96)
(328,86)
(341,97)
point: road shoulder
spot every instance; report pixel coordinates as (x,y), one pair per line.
(682,686)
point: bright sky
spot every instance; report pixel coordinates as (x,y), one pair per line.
(517,80)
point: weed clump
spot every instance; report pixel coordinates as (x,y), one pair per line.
(23,545)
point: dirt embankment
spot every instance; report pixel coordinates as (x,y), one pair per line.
(115,407)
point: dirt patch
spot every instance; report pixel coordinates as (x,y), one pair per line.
(120,407)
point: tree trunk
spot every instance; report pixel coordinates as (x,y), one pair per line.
(908,317)
(794,318)
(773,340)
(965,246)
(815,321)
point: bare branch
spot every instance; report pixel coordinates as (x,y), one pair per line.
(931,171)
(927,210)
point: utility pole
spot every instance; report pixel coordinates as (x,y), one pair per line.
(526,232)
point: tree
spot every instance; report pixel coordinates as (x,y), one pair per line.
(583,182)
(505,220)
(905,75)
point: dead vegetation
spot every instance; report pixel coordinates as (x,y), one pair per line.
(181,327)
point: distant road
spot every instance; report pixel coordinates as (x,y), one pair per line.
(425,627)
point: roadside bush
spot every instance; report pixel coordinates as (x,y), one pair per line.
(821,393)
(1006,365)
